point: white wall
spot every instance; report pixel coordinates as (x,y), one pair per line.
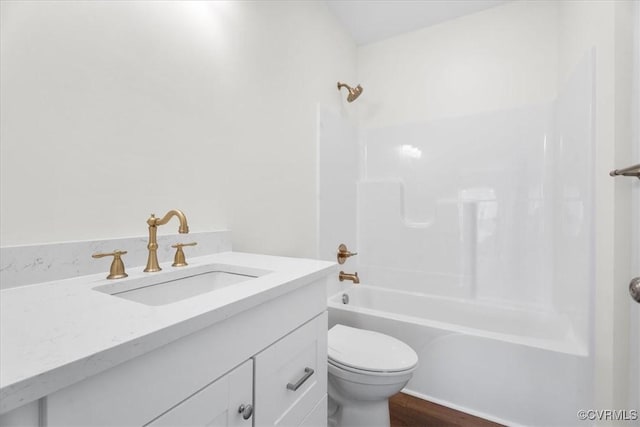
(113,110)
(634,318)
(499,58)
(606,26)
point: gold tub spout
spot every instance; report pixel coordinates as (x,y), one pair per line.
(152,261)
(346,276)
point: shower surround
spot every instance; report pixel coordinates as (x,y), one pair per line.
(487,214)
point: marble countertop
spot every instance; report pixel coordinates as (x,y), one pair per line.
(55,334)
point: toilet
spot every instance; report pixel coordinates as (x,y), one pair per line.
(365,369)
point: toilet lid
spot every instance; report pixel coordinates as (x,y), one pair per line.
(369,351)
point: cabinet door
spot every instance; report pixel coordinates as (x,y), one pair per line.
(24,416)
(215,405)
(291,376)
(318,416)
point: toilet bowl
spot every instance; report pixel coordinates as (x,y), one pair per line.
(365,369)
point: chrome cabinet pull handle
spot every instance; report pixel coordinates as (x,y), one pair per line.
(307,373)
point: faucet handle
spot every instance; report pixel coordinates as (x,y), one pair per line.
(343,253)
(179,259)
(117,266)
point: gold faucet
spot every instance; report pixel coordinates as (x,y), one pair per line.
(345,276)
(179,259)
(117,266)
(152,261)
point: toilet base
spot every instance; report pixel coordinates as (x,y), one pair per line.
(359,414)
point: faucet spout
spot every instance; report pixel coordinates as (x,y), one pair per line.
(184,227)
(346,276)
(153,222)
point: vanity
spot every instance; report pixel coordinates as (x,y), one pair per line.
(231,339)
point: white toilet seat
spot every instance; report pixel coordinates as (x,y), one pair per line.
(351,369)
(369,352)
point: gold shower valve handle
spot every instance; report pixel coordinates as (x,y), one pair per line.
(343,253)
(117,266)
(179,259)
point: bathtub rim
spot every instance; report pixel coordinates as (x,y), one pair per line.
(574,347)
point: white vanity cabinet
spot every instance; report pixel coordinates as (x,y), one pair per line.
(291,377)
(203,378)
(288,380)
(217,404)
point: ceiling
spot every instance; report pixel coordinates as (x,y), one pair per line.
(373,20)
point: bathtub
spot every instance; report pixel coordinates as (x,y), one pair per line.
(511,366)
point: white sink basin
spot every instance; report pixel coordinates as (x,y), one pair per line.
(169,287)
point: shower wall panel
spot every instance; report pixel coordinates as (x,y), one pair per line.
(494,207)
(573,175)
(460,206)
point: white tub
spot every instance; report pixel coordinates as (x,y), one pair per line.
(510,366)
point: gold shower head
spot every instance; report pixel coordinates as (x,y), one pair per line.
(354,93)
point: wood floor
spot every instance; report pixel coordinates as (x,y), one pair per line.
(409,411)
